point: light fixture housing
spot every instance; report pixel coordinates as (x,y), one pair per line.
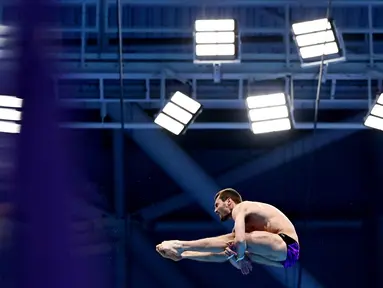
(178,114)
(8,42)
(316,38)
(216,41)
(374,118)
(10,114)
(269,113)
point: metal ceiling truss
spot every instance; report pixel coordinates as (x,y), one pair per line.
(93,93)
(152,69)
(319,3)
(94,20)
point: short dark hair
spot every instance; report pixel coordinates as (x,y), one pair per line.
(229,193)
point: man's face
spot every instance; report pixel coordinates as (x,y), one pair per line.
(222,209)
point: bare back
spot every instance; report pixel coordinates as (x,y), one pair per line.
(265,217)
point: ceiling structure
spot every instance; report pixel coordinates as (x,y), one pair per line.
(158,55)
(158,60)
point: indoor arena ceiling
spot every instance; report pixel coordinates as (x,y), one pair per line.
(158,54)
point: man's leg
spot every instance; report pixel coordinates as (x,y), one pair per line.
(268,245)
(205,256)
(213,245)
(263,261)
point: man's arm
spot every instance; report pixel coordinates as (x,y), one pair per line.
(239,215)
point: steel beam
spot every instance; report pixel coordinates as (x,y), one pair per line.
(264,70)
(211,125)
(255,167)
(246,57)
(244,31)
(265,3)
(218,98)
(191,178)
(119,200)
(319,3)
(219,103)
(59,2)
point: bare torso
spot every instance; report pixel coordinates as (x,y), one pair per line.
(265,217)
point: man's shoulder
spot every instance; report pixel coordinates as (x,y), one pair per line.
(245,205)
(249,203)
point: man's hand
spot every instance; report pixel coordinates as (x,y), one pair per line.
(244,265)
(230,250)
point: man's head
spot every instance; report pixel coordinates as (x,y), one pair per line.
(225,201)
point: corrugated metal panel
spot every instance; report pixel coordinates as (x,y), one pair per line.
(351,17)
(184,17)
(249,17)
(377,17)
(67,16)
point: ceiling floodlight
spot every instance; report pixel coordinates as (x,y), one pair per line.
(216,41)
(269,113)
(9,114)
(318,38)
(178,113)
(374,118)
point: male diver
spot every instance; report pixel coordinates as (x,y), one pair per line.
(262,234)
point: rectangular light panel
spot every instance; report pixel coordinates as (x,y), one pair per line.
(317,38)
(374,122)
(10,101)
(271,126)
(169,124)
(178,113)
(214,37)
(311,26)
(210,25)
(185,102)
(9,115)
(268,113)
(215,40)
(215,50)
(9,127)
(269,100)
(375,118)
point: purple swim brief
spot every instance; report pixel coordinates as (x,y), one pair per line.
(292,251)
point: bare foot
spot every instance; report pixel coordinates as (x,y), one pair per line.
(167,251)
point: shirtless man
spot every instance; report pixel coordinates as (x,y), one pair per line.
(261,234)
